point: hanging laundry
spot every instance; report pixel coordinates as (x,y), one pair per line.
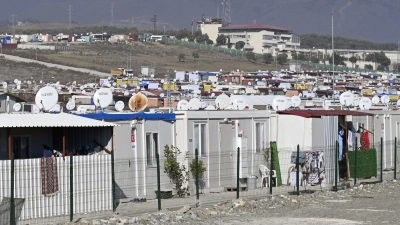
(350,139)
(367,143)
(363,145)
(358,135)
(340,140)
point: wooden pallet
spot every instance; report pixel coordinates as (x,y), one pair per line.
(234,189)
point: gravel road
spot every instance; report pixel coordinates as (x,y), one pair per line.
(364,204)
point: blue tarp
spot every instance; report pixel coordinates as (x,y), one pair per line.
(207,74)
(130,116)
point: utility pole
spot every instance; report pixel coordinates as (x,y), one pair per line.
(112,13)
(154,21)
(168,80)
(333,65)
(69,16)
(13,24)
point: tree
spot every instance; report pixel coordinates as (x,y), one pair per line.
(209,42)
(251,56)
(177,173)
(380,68)
(384,60)
(368,67)
(282,58)
(195,55)
(239,45)
(181,34)
(221,40)
(181,57)
(339,60)
(353,60)
(267,58)
(314,59)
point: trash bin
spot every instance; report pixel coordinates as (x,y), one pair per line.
(252,182)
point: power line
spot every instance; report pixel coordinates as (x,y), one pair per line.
(70,16)
(154,21)
(112,14)
(13,23)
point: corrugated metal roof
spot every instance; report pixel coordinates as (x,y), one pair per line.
(49,120)
(319,113)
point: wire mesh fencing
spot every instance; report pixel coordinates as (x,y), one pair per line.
(58,190)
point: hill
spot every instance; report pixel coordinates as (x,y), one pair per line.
(373,20)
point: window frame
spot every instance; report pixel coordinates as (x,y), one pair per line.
(201,153)
(151,160)
(260,149)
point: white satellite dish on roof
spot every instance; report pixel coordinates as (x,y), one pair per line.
(327,104)
(17,107)
(279,103)
(70,105)
(375,99)
(222,101)
(296,101)
(119,106)
(203,105)
(210,107)
(182,105)
(194,104)
(103,97)
(356,102)
(46,98)
(55,108)
(288,102)
(346,98)
(398,103)
(239,103)
(162,95)
(385,99)
(365,103)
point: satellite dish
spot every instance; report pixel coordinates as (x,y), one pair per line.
(385,99)
(327,104)
(239,103)
(55,108)
(203,105)
(222,101)
(288,102)
(210,107)
(212,95)
(162,95)
(138,102)
(235,92)
(119,106)
(375,100)
(182,105)
(346,98)
(365,103)
(46,98)
(194,104)
(126,93)
(279,103)
(296,101)
(103,97)
(398,103)
(17,107)
(70,105)
(356,102)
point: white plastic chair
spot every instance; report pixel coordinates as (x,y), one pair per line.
(265,173)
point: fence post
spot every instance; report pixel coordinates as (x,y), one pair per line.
(237,172)
(271,168)
(197,173)
(158,182)
(71,187)
(355,163)
(12,203)
(336,165)
(381,160)
(298,171)
(395,157)
(113,181)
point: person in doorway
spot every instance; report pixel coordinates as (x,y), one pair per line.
(47,152)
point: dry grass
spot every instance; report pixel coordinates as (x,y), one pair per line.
(103,57)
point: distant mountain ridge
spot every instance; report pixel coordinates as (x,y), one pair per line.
(373,20)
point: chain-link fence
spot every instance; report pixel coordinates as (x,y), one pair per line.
(57,190)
